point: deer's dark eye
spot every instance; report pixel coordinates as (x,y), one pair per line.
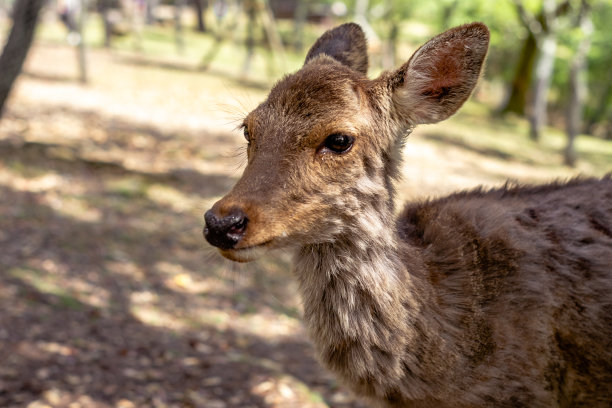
(338,143)
(245,132)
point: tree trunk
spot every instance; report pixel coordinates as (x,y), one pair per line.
(299,21)
(178,26)
(200,6)
(25,16)
(104,9)
(578,88)
(390,47)
(447,13)
(151,5)
(251,12)
(601,108)
(544,71)
(517,99)
(108,29)
(81,55)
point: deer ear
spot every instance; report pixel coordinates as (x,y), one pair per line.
(346,44)
(440,75)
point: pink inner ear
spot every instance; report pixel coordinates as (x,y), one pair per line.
(444,71)
(440,75)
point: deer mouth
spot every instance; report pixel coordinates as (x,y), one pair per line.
(247,254)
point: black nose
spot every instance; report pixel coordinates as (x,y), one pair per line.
(225,232)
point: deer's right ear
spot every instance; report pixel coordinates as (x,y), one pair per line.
(346,44)
(441,75)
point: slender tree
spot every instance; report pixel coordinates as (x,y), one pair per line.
(602,105)
(250,7)
(521,82)
(300,15)
(151,5)
(392,16)
(598,112)
(80,46)
(545,30)
(200,6)
(179,41)
(25,17)
(537,60)
(104,7)
(577,81)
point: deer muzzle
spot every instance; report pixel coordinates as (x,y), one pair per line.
(225,232)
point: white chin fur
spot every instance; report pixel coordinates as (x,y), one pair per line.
(244,255)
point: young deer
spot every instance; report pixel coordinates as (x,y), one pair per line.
(498,298)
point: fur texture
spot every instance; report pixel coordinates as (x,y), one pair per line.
(497,298)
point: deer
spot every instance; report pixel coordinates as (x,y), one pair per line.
(491,297)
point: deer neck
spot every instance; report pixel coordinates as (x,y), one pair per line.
(362,308)
(352,287)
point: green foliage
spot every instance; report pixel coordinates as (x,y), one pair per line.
(508,33)
(600,60)
(417,20)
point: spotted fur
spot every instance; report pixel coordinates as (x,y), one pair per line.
(488,298)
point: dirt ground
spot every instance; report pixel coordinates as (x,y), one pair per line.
(109,296)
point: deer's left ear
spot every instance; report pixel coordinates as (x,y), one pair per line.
(346,44)
(441,75)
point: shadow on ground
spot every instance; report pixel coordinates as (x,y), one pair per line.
(175,66)
(109,296)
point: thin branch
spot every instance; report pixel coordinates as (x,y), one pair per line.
(528,20)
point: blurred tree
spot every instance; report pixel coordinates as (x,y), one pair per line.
(226,23)
(577,80)
(81,16)
(150,6)
(544,29)
(178,26)
(259,17)
(533,79)
(393,15)
(448,9)
(601,110)
(361,17)
(105,8)
(299,20)
(25,17)
(521,81)
(250,8)
(73,14)
(200,7)
(598,109)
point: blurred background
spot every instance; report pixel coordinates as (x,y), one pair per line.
(118,130)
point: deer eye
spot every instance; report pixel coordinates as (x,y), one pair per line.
(338,143)
(245,132)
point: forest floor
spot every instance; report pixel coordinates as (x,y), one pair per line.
(109,296)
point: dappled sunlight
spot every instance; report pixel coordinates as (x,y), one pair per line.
(132,92)
(123,267)
(459,154)
(177,277)
(44,182)
(55,348)
(270,326)
(173,198)
(153,316)
(50,279)
(110,295)
(62,196)
(59,397)
(74,207)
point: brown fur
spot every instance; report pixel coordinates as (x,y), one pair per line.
(497,298)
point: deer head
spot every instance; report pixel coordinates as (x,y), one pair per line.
(324,147)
